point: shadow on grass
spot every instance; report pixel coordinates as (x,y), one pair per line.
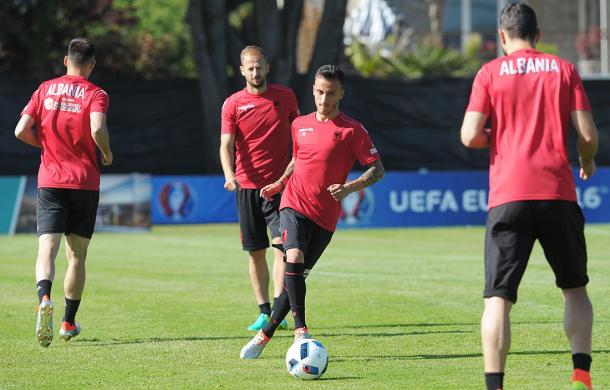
(340,378)
(447,356)
(396,334)
(431,324)
(104,342)
(97,342)
(412,325)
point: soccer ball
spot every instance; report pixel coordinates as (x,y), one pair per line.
(306,359)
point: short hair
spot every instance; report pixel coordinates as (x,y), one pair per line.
(250,48)
(519,20)
(81,51)
(330,72)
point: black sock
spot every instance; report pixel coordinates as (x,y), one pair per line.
(295,284)
(494,380)
(281,307)
(44,288)
(265,308)
(71,309)
(275,303)
(582,361)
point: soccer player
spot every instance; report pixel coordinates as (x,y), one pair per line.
(528,98)
(66,118)
(326,143)
(254,151)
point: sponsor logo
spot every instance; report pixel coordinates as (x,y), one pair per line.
(337,136)
(51,104)
(245,107)
(305,130)
(357,207)
(177,200)
(373,150)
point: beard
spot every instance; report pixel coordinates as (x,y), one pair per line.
(261,83)
(326,110)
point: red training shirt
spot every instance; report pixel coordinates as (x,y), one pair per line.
(60,108)
(261,125)
(528,97)
(325,153)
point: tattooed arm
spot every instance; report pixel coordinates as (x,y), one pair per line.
(372,175)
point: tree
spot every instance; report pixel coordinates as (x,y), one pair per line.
(220,29)
(133,38)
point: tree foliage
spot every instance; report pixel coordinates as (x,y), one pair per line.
(221,28)
(134,38)
(424,61)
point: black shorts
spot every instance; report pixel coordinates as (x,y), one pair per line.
(512,229)
(60,210)
(300,232)
(255,215)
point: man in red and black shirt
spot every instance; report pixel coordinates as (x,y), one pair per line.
(254,152)
(66,118)
(326,144)
(529,98)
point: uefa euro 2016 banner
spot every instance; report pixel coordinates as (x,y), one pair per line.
(191,199)
(124,203)
(449,198)
(400,199)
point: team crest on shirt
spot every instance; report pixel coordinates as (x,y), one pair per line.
(337,136)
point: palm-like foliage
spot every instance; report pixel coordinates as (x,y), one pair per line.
(424,61)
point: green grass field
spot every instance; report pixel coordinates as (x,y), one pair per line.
(396,308)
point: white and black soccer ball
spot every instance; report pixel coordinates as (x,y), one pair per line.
(306,359)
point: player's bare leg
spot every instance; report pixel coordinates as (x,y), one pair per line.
(578,324)
(495,334)
(76,253)
(74,283)
(259,279)
(48,246)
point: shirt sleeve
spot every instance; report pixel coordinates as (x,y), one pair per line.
(479,96)
(580,101)
(363,147)
(100,102)
(228,124)
(31,109)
